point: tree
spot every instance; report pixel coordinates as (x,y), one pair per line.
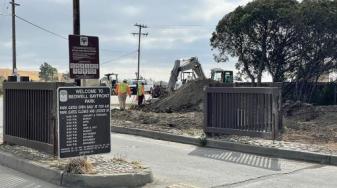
(318,39)
(262,35)
(48,73)
(317,46)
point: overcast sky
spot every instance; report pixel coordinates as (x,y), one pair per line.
(177,29)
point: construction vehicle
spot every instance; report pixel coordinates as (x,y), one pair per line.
(222,76)
(148,85)
(110,80)
(181,66)
(159,89)
(186,76)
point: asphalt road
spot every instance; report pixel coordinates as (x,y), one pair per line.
(180,164)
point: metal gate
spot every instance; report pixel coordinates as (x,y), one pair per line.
(30,114)
(243,111)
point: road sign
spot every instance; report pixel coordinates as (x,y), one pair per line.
(83,121)
(83,57)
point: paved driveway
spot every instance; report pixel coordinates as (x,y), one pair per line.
(174,163)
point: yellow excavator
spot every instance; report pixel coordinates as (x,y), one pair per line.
(193,64)
(222,76)
(183,65)
(110,80)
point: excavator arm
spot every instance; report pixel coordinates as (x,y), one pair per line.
(190,64)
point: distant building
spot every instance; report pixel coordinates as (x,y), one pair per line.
(33,75)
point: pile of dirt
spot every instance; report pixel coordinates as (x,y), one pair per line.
(299,110)
(187,98)
(306,123)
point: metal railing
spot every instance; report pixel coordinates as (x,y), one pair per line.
(30,114)
(243,111)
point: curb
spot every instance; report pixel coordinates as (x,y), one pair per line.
(258,150)
(57,177)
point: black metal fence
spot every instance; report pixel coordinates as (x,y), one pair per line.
(30,114)
(243,111)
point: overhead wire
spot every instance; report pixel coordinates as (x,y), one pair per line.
(108,50)
(119,57)
(173,27)
(42,28)
(63,37)
(4,7)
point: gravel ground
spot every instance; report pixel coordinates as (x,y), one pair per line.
(297,146)
(188,124)
(318,137)
(102,164)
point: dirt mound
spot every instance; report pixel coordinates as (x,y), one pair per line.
(300,110)
(187,98)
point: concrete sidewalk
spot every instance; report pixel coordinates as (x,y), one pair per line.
(10,178)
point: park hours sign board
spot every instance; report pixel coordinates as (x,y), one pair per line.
(83,57)
(83,121)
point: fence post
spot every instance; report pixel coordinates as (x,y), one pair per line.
(277,121)
(335,92)
(205,110)
(4,112)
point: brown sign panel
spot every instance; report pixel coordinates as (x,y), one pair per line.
(83,57)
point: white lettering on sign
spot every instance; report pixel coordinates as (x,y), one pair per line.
(84,121)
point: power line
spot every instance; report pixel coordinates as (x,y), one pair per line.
(169,27)
(5,6)
(112,50)
(51,32)
(42,28)
(191,25)
(119,57)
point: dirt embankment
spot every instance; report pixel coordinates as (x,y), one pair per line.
(310,124)
(187,98)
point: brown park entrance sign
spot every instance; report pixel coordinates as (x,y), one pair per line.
(83,57)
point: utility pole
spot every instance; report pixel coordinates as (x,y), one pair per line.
(14,36)
(76,17)
(140,26)
(76,26)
